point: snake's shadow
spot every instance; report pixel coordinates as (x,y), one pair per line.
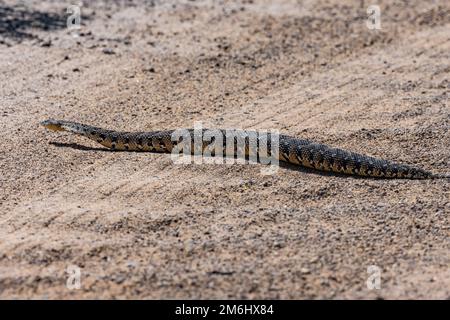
(283,165)
(80,147)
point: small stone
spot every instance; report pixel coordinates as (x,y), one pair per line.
(108,51)
(305,271)
(46,43)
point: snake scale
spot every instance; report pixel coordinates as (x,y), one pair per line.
(291,150)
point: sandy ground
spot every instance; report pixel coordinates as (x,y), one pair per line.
(139,226)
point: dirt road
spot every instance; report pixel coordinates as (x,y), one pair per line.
(139,226)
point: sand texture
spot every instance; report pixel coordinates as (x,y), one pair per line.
(139,226)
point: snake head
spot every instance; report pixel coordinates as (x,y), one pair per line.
(53,125)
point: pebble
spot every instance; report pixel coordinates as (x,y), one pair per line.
(108,51)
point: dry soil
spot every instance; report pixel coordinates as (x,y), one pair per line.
(139,226)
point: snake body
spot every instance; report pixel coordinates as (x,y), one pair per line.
(290,149)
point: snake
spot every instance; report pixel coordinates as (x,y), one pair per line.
(288,149)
